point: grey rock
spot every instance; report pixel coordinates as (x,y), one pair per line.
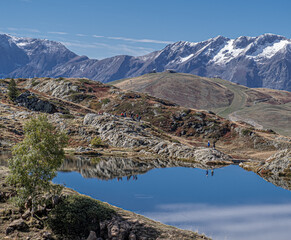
(9,230)
(132,236)
(47,236)
(18,224)
(279,163)
(92,236)
(26,214)
(32,102)
(123,132)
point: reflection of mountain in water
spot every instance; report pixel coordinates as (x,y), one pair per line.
(280,181)
(106,168)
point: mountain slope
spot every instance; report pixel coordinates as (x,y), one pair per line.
(263,108)
(263,61)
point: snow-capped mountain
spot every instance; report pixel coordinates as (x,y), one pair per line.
(263,61)
(27,57)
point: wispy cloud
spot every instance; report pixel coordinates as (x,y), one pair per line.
(58,33)
(270,221)
(81,35)
(140,40)
(97,36)
(134,39)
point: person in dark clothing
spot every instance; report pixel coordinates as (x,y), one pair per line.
(213,145)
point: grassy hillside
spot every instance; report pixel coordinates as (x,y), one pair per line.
(74,98)
(262,108)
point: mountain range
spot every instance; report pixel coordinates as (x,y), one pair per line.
(263,61)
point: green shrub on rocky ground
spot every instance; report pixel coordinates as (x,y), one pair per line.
(97,142)
(77,216)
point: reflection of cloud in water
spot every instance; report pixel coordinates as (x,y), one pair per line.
(268,222)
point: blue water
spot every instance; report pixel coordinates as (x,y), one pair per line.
(231,204)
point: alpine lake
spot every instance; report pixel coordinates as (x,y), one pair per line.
(222,202)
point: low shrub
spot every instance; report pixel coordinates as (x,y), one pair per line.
(97,142)
(76,216)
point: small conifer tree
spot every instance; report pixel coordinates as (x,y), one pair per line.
(12,90)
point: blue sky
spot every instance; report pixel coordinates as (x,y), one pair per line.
(104,28)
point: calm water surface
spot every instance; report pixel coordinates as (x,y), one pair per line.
(231,204)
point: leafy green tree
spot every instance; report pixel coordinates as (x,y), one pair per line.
(36,159)
(12,90)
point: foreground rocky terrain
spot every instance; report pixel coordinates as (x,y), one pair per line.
(74,216)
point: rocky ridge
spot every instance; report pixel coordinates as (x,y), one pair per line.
(134,135)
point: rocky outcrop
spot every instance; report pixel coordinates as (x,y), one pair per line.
(278,164)
(55,87)
(32,102)
(276,169)
(18,224)
(126,133)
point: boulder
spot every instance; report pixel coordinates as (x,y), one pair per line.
(32,102)
(18,224)
(92,236)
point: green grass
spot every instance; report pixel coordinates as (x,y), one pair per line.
(238,102)
(275,117)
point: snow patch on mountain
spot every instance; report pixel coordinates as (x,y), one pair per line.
(227,53)
(184,59)
(271,50)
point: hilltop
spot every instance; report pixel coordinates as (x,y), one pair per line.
(263,108)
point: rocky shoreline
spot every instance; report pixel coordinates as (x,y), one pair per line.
(106,223)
